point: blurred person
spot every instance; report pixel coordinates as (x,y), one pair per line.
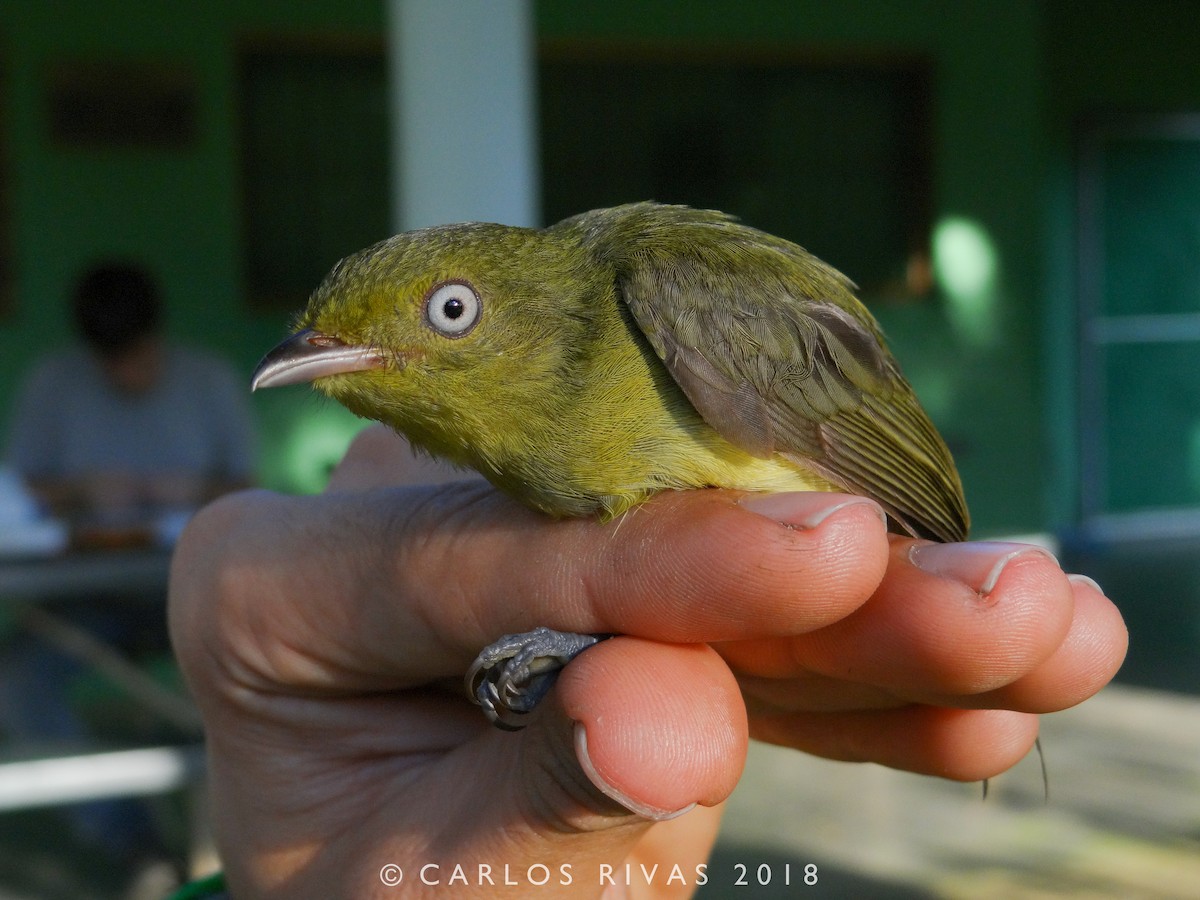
(125,421)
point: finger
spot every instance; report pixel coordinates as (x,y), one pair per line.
(638,734)
(619,749)
(949,620)
(660,727)
(964,745)
(814,693)
(391,588)
(1086,660)
(684,567)
(503,814)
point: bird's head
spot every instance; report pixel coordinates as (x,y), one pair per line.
(448,334)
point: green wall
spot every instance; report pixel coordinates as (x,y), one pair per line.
(993,368)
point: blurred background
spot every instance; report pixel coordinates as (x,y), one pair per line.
(1015,186)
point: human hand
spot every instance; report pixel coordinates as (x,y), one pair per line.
(325,639)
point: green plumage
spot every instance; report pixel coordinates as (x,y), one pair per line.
(623,352)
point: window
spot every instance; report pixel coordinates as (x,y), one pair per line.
(314,162)
(832,154)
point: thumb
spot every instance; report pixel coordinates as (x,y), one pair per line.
(612,780)
(659,727)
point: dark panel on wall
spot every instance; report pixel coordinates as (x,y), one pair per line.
(832,153)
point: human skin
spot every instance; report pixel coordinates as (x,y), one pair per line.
(325,637)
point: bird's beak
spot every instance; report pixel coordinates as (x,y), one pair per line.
(310,354)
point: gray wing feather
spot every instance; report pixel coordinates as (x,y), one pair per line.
(774,351)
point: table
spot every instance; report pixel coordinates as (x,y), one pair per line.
(133,572)
(31,777)
(127,575)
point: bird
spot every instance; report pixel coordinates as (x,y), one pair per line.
(584,367)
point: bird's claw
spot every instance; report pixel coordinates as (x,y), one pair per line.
(511,675)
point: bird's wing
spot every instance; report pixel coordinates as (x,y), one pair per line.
(771,347)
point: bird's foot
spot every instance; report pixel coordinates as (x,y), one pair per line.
(511,676)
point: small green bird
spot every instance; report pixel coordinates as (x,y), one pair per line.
(586,366)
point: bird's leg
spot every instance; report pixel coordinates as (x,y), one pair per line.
(511,676)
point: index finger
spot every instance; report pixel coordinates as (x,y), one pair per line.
(395,587)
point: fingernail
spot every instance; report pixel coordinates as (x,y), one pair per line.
(1087,582)
(806,509)
(640,809)
(977,564)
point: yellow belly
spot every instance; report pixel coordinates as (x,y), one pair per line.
(688,464)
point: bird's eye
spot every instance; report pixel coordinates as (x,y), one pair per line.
(452,308)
